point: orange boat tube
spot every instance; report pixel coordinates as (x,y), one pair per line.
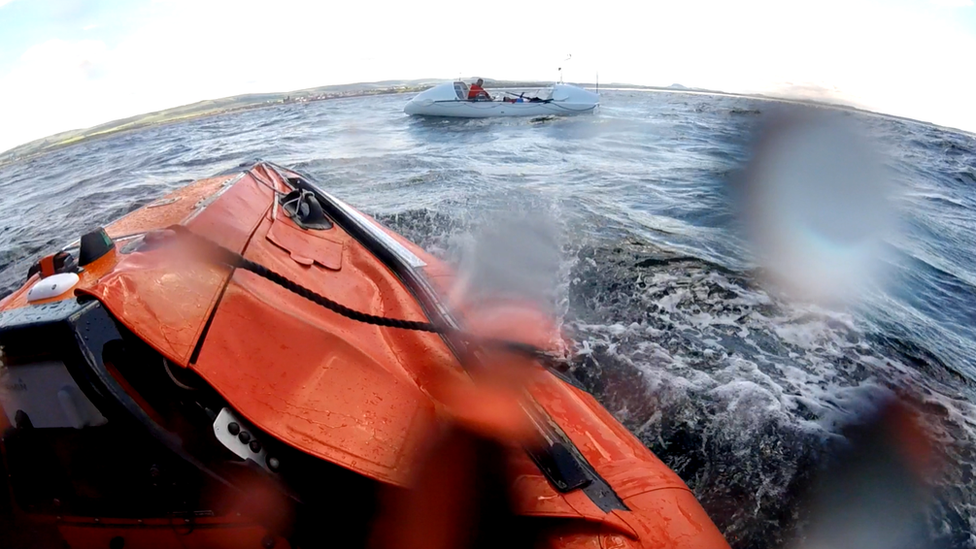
(251,362)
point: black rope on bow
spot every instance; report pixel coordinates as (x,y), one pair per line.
(222,255)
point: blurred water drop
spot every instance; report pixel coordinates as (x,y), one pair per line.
(875,492)
(817,205)
(515,257)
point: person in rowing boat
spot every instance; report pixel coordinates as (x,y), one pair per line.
(478,93)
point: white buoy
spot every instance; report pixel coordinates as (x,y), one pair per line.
(52,286)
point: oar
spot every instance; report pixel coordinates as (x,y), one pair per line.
(520,96)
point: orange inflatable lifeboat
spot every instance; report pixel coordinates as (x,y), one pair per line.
(250,362)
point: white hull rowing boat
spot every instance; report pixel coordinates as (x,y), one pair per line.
(450,99)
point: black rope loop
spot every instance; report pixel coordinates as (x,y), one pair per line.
(221,254)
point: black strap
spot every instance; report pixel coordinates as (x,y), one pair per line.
(221,254)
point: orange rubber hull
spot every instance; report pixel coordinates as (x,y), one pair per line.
(359,396)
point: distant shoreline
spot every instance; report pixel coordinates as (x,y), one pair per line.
(168,116)
(241,103)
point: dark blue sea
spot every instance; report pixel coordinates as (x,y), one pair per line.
(736,387)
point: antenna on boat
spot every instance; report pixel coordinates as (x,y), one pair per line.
(568,57)
(598,82)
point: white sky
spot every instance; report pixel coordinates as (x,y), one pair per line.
(67,64)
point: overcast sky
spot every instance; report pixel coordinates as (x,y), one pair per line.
(68,64)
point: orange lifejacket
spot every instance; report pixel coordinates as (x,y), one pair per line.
(476,91)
